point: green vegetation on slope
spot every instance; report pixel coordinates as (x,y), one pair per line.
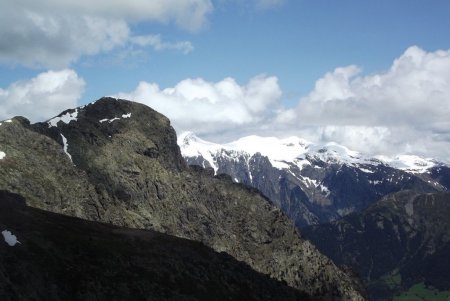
(420,291)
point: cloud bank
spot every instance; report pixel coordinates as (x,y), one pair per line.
(207,107)
(402,110)
(54,34)
(405,108)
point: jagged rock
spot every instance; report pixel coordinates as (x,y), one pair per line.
(87,175)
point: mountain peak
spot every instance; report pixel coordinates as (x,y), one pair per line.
(188,137)
(107,121)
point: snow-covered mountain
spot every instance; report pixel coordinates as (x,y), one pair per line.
(314,183)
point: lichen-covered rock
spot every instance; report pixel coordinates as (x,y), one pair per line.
(129,172)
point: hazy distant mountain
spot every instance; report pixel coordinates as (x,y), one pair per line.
(312,183)
(118,162)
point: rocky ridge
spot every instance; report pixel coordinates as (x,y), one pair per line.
(118,162)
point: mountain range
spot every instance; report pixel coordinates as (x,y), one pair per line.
(313,183)
(117,162)
(384,218)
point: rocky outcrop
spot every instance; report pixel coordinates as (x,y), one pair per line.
(118,162)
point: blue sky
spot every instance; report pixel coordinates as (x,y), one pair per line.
(108,48)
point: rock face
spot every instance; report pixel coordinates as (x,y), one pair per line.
(313,184)
(405,236)
(86,260)
(118,162)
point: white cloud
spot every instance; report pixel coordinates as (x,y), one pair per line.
(402,110)
(53,33)
(415,90)
(43,96)
(207,107)
(396,111)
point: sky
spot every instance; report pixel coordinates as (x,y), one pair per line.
(371,75)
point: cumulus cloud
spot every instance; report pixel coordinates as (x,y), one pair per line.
(415,90)
(54,33)
(207,107)
(395,111)
(43,96)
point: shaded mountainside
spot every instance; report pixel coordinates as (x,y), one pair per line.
(117,161)
(402,240)
(316,187)
(66,258)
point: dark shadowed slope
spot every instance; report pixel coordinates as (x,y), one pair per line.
(65,258)
(399,241)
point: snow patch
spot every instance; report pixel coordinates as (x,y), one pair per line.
(109,120)
(7,121)
(66,118)
(2,155)
(310,182)
(324,189)
(301,163)
(409,163)
(65,146)
(10,239)
(115,118)
(366,170)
